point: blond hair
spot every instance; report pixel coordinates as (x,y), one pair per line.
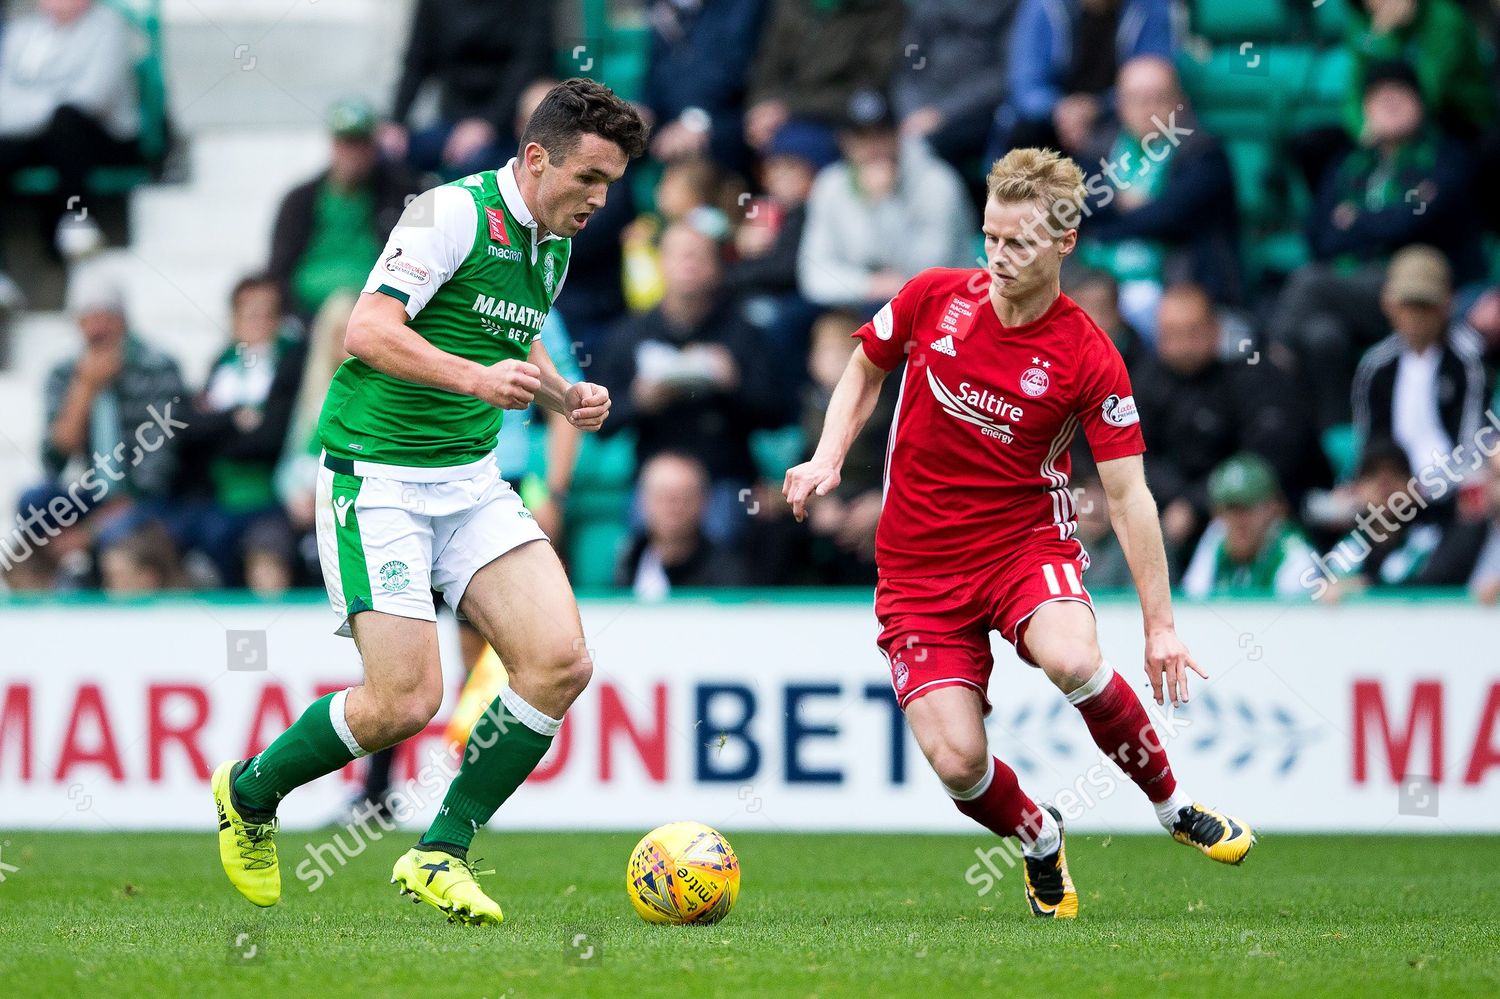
(1042,176)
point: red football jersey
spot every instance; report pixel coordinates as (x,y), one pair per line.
(978,455)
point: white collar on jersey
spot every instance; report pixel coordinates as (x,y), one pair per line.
(505,177)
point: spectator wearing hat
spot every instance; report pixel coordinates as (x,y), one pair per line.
(480,54)
(1169,216)
(1064,57)
(696,77)
(1423,386)
(954,74)
(1405,183)
(1444,44)
(1250,548)
(1366,208)
(768,240)
(769,235)
(691,376)
(888,209)
(328,229)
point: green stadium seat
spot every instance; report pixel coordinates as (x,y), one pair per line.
(1242,20)
(1341,446)
(1278,253)
(1330,19)
(616,52)
(776,450)
(1251,160)
(1322,99)
(605,462)
(593,549)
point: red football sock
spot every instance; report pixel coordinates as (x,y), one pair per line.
(1122,729)
(1002,807)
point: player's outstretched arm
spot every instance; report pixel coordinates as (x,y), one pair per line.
(1132,513)
(853,400)
(584,404)
(378,335)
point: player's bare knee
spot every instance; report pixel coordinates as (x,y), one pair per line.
(1070,666)
(958,766)
(574,671)
(405,711)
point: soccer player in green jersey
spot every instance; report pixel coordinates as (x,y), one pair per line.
(410,499)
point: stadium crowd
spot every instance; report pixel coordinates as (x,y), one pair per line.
(1318,420)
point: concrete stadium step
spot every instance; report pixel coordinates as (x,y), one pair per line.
(278,61)
(41,340)
(235,182)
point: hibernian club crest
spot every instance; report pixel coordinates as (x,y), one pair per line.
(549,273)
(394,576)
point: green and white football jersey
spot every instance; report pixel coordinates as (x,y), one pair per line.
(477,281)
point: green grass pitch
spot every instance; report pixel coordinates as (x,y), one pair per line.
(819,915)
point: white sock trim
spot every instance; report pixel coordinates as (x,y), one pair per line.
(1047,840)
(1166,811)
(977,789)
(341,724)
(1093,684)
(528,715)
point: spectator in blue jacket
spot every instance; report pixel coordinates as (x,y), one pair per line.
(697,76)
(1064,57)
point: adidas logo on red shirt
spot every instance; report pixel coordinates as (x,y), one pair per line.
(944,345)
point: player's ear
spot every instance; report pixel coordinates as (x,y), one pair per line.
(535,157)
(1067,242)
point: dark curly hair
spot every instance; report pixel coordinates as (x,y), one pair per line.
(579,107)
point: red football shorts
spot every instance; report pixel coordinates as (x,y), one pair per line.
(935,630)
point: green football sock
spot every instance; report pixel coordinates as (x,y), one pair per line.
(318,743)
(505,745)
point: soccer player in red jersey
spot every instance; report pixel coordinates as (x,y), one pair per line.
(976,532)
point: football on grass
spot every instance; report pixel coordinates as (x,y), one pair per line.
(683,872)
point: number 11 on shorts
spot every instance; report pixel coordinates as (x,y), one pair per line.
(1069,573)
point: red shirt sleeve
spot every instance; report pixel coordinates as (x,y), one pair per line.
(887,337)
(1106,406)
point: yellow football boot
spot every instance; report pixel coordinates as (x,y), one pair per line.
(247,849)
(1049,888)
(446,883)
(1222,837)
